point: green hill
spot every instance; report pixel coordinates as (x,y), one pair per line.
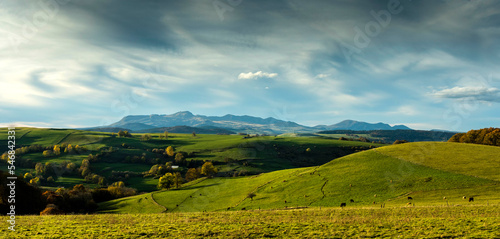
(118,156)
(427,172)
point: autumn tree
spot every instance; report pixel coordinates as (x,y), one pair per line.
(145,137)
(180,158)
(166,181)
(177,179)
(28,176)
(57,150)
(192,174)
(39,168)
(170,151)
(69,149)
(47,153)
(487,136)
(208,169)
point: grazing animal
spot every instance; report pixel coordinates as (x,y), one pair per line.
(228,209)
(285,201)
(243,209)
(464,197)
(408,204)
(374,202)
(343,204)
(444,198)
(410,198)
(375,195)
(471,199)
(351,200)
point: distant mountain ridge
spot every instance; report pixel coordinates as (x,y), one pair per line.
(359,126)
(234,123)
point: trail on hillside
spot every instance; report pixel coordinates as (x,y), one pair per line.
(155,202)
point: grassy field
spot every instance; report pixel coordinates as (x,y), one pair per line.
(251,155)
(368,178)
(399,222)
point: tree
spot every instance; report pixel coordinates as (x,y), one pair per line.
(192,174)
(208,169)
(251,195)
(39,168)
(400,141)
(35,181)
(47,153)
(177,179)
(165,134)
(28,176)
(145,137)
(179,158)
(57,150)
(169,151)
(166,181)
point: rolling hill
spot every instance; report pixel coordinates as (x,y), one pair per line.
(425,171)
(232,154)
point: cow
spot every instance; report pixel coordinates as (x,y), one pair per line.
(471,199)
(343,204)
(410,198)
(351,200)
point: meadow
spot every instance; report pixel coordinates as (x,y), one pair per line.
(389,222)
(371,177)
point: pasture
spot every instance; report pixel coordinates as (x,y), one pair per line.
(396,222)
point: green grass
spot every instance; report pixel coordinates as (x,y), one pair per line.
(369,178)
(468,159)
(412,222)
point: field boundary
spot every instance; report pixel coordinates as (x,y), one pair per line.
(65,137)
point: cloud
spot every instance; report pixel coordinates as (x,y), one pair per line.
(479,93)
(258,74)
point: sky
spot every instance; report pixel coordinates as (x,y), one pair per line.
(425,64)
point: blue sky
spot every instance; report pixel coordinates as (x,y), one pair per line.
(425,64)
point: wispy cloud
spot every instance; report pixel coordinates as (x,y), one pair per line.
(256,75)
(479,93)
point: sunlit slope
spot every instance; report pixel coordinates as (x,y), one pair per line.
(469,159)
(369,178)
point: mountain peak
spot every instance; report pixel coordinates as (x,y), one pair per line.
(183,113)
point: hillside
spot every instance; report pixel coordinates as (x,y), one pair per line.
(128,159)
(384,175)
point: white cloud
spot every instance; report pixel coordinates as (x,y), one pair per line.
(258,74)
(321,76)
(480,93)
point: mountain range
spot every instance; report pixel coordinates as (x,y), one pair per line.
(186,122)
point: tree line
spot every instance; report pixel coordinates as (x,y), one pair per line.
(486,136)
